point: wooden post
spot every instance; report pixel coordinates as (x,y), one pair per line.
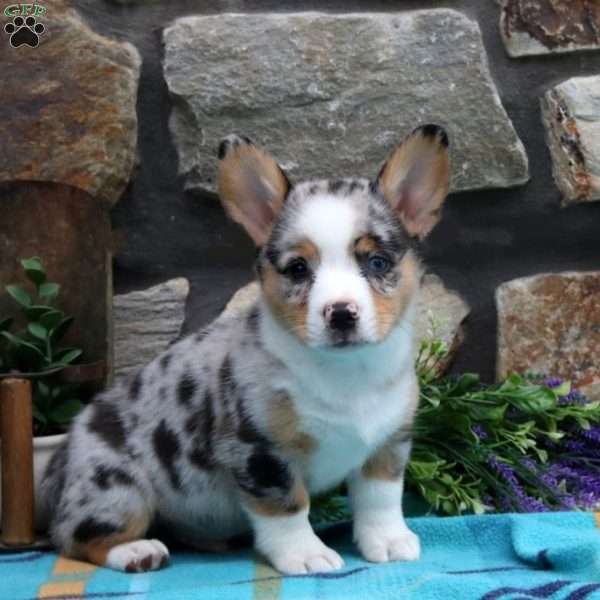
(16,434)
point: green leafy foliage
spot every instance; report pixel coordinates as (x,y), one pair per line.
(35,349)
(505,446)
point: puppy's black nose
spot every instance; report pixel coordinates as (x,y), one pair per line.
(341,316)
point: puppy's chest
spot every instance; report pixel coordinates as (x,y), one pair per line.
(350,432)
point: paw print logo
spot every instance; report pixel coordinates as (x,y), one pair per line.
(24,32)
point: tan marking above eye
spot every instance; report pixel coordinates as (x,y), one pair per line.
(365,245)
(307,250)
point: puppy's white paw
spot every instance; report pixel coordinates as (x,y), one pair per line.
(309,556)
(383,544)
(138,556)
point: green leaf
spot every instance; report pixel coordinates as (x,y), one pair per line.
(19,294)
(38,331)
(38,415)
(535,399)
(65,411)
(479,412)
(43,388)
(51,319)
(36,311)
(34,269)
(70,356)
(464,384)
(61,329)
(5,324)
(30,355)
(49,291)
(563,389)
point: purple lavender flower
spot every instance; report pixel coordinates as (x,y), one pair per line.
(524,502)
(582,484)
(552,382)
(592,434)
(479,431)
(573,397)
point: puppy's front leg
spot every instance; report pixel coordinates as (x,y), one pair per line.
(282,532)
(376,492)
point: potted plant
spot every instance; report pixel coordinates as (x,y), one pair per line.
(31,347)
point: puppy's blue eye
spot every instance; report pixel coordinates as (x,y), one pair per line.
(378,264)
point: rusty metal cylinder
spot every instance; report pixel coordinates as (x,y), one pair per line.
(16,436)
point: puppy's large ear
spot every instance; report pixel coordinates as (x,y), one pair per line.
(414,180)
(252,187)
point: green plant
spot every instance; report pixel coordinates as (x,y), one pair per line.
(36,348)
(528,443)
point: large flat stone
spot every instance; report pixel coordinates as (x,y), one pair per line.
(146,322)
(68,110)
(329,95)
(550,324)
(571,115)
(546,26)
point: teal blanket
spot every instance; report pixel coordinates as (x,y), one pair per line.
(493,557)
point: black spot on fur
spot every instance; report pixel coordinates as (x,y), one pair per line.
(263,473)
(90,529)
(201,425)
(313,189)
(355,185)
(186,388)
(165,361)
(106,424)
(167,449)
(105,477)
(433,131)
(374,185)
(335,185)
(226,382)
(136,386)
(252,320)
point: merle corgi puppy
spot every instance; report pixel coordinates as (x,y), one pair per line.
(233,429)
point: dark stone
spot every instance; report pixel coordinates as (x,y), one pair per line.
(542,26)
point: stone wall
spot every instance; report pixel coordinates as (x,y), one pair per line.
(460,63)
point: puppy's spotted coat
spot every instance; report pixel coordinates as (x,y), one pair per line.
(234,429)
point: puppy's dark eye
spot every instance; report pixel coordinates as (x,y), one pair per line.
(297,269)
(378,264)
